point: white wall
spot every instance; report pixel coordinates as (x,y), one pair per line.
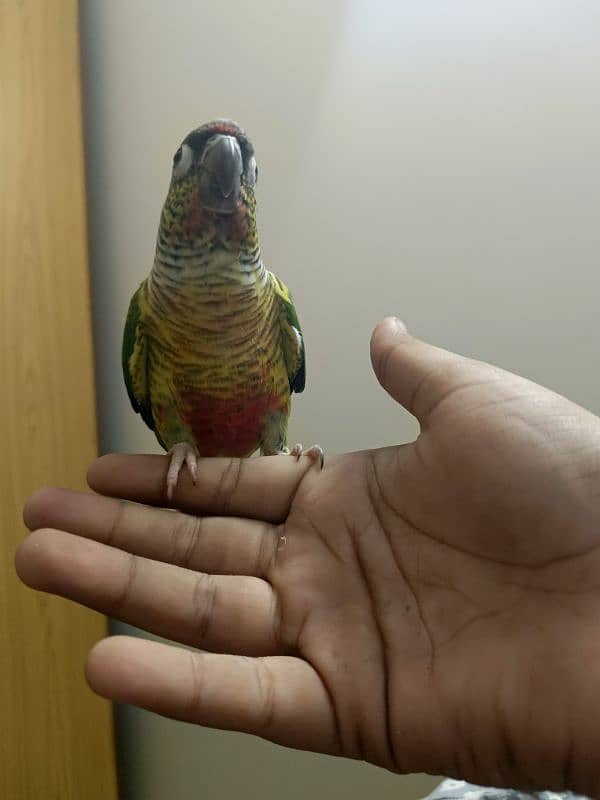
(436,159)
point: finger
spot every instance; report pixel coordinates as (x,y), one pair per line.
(279,698)
(416,374)
(215,612)
(220,545)
(261,488)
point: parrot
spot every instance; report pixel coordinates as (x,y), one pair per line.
(212,347)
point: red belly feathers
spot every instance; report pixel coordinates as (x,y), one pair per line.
(227,426)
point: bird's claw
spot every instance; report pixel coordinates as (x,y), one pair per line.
(181,453)
(315,453)
(296,451)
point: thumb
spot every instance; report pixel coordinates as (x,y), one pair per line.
(416,374)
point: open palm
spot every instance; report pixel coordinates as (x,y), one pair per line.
(426,607)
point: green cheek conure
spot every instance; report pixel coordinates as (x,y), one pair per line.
(212,348)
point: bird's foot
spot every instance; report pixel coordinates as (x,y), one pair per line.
(181,453)
(315,453)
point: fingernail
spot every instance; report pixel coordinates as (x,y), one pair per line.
(396,324)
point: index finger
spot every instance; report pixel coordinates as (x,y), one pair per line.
(259,488)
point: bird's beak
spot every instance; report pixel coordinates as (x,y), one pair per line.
(220,174)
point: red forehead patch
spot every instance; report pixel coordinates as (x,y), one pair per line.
(227,128)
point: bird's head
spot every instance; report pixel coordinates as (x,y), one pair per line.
(211,195)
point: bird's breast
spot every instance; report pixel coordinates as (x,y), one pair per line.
(230,426)
(216,357)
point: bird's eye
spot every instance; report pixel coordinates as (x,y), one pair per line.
(182,161)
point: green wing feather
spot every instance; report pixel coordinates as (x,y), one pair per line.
(134,359)
(291,338)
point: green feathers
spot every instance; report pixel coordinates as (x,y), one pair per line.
(291,337)
(134,360)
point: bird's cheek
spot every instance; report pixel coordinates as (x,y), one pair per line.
(234,227)
(196,219)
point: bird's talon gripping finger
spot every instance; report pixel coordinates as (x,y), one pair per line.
(315,453)
(296,451)
(181,453)
(172,476)
(192,465)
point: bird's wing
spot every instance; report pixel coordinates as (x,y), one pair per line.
(292,341)
(134,359)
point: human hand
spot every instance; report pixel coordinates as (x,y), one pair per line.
(426,607)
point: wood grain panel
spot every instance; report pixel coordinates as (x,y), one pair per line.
(57,739)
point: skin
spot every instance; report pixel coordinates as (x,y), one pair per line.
(427,607)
